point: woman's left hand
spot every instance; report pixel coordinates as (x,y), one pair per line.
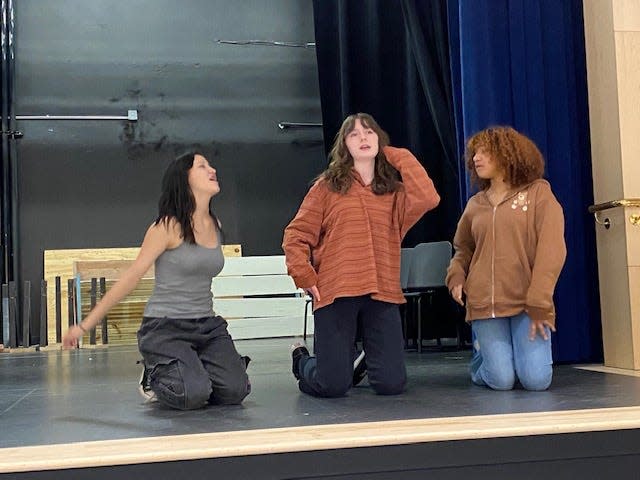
(313,291)
(70,338)
(539,327)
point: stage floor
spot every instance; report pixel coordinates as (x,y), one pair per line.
(62,397)
(84,395)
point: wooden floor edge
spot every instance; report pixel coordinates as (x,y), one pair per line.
(603,369)
(320,437)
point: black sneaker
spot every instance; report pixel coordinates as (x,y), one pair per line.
(298,350)
(246,359)
(359,369)
(144,386)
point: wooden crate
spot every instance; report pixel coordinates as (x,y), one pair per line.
(124,319)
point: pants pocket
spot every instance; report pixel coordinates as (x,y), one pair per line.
(168,384)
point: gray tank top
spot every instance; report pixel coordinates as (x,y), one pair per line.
(183,282)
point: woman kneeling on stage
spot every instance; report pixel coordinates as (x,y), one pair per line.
(189,357)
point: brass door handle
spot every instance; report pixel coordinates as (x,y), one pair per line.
(634,218)
(625,202)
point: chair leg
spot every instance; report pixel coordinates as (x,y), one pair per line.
(460,326)
(404,325)
(459,340)
(419,323)
(410,315)
(438,339)
(304,331)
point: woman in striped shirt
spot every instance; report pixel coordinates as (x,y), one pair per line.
(343,248)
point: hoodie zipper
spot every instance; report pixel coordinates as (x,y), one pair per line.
(493,263)
(493,253)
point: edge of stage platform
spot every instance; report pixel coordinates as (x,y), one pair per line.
(30,349)
(312,438)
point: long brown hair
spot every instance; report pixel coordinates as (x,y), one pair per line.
(338,175)
(513,152)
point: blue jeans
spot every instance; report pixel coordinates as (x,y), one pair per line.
(502,353)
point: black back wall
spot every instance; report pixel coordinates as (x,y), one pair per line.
(89,184)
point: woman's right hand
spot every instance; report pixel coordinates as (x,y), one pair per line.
(70,339)
(313,291)
(456,293)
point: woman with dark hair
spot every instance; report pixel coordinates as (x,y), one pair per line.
(509,253)
(343,248)
(189,357)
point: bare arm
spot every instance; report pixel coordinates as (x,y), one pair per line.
(156,240)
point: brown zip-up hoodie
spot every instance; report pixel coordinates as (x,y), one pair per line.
(509,256)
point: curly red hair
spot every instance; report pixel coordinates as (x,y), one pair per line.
(513,152)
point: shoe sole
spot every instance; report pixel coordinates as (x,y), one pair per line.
(296,354)
(359,359)
(148,395)
(359,369)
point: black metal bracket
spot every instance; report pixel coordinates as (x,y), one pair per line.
(13,134)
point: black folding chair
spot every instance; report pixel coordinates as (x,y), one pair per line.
(427,273)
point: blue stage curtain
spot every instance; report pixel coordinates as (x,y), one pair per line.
(522,63)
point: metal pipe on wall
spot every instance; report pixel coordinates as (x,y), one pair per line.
(132,116)
(286,125)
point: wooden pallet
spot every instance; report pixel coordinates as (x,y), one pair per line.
(123,319)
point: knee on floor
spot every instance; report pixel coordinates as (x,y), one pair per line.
(336,388)
(232,393)
(536,380)
(389,388)
(500,380)
(173,391)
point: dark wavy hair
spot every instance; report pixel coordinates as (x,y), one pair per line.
(177,200)
(512,151)
(338,175)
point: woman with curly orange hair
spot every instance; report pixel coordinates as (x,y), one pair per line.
(509,253)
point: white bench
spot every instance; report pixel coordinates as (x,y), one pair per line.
(258,299)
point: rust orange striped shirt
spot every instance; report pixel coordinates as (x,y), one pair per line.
(348,245)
